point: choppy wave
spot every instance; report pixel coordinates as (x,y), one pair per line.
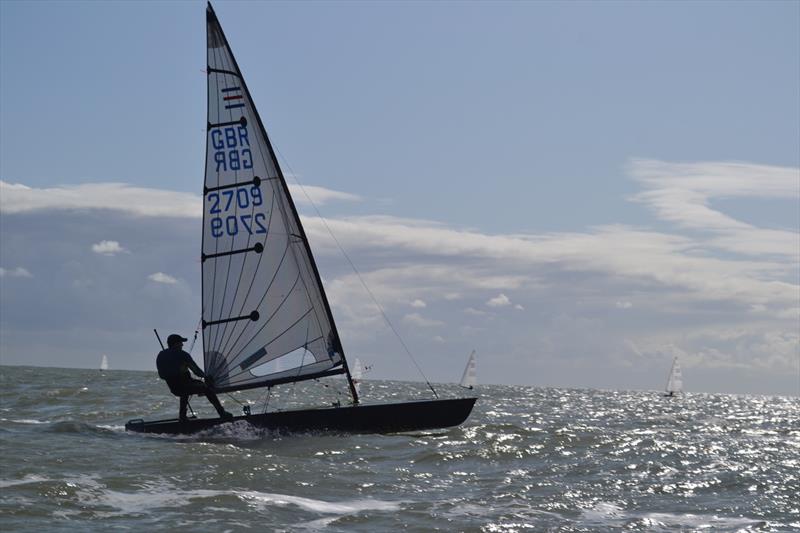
(526,460)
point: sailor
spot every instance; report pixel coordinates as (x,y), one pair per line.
(173,366)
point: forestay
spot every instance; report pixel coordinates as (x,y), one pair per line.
(266,319)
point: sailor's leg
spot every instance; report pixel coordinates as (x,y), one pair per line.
(215,402)
(198,387)
(184,405)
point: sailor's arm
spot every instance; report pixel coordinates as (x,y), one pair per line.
(193,366)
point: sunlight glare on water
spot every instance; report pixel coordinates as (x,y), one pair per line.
(527,459)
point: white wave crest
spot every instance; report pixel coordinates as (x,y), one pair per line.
(320,506)
(32,478)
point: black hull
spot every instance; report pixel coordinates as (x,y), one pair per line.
(378,418)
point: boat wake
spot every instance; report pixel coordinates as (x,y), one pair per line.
(66,426)
(238,431)
(73,426)
(607,515)
(24,421)
(90,494)
(317,506)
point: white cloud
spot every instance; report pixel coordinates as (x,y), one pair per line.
(140,201)
(160,277)
(17,198)
(637,255)
(672,276)
(108,248)
(308,194)
(501,300)
(471,331)
(18,272)
(677,192)
(719,179)
(415,319)
(682,192)
(737,347)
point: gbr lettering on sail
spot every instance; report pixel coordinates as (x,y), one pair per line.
(230,210)
(231,148)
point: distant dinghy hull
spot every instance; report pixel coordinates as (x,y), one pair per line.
(376,418)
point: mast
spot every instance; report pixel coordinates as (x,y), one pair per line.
(336,340)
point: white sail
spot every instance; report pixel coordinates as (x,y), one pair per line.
(263,299)
(356,373)
(104,363)
(675,381)
(470,377)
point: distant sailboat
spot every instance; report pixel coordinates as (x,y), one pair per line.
(470,377)
(356,373)
(104,363)
(266,318)
(675,380)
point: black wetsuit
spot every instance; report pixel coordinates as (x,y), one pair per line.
(173,367)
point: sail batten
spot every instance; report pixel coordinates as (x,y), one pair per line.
(263,298)
(282,378)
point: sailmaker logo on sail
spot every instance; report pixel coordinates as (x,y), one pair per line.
(232,95)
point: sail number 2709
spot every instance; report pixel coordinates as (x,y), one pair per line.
(221,202)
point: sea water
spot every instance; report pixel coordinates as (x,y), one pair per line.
(527,459)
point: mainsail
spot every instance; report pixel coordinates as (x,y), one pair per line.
(266,319)
(104,363)
(470,377)
(675,381)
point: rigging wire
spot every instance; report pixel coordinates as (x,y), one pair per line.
(196,331)
(358,274)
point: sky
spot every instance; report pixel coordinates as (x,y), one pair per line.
(579,191)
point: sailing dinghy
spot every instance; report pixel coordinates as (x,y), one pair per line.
(675,380)
(357,373)
(266,318)
(470,377)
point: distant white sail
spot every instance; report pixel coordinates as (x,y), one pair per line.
(470,377)
(356,373)
(675,381)
(104,363)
